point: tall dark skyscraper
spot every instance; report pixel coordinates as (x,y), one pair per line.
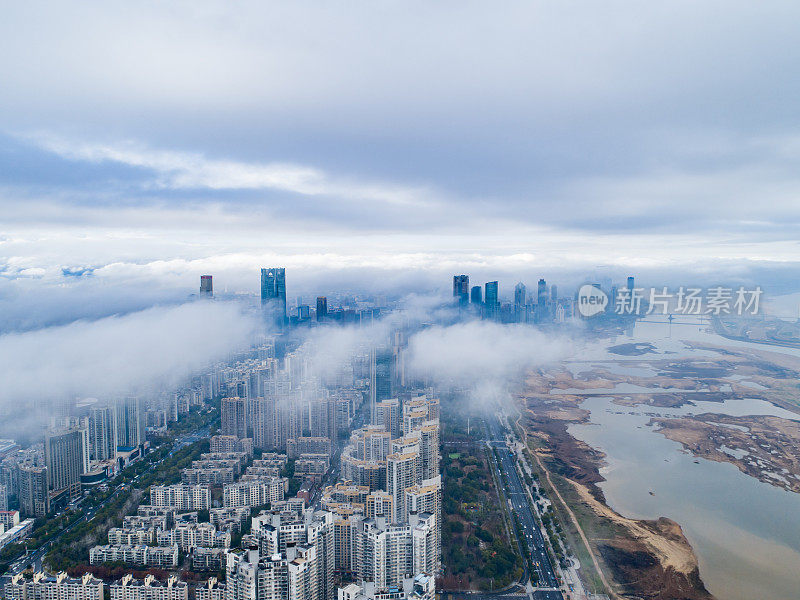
(541,292)
(206,285)
(520,294)
(491,306)
(491,293)
(630,283)
(273,290)
(322,307)
(461,288)
(476,296)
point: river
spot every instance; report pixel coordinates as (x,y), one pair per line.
(746,534)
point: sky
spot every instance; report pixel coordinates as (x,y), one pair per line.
(384,146)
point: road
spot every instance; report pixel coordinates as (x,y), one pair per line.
(533,540)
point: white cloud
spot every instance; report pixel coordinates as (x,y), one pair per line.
(143,352)
(186,170)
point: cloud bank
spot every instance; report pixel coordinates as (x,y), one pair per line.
(145,352)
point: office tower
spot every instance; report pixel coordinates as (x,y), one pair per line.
(476,296)
(130,422)
(519,302)
(206,285)
(102,433)
(380,375)
(67,457)
(273,290)
(34,499)
(491,300)
(554,294)
(491,293)
(630,285)
(461,288)
(322,308)
(541,292)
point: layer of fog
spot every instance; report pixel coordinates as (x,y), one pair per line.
(486,359)
(152,350)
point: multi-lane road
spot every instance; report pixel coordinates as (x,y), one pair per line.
(531,538)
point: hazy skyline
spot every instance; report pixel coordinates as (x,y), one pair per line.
(383,146)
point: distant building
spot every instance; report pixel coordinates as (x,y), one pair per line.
(476,295)
(34,499)
(461,288)
(130,422)
(322,308)
(520,296)
(273,291)
(234,417)
(492,302)
(67,456)
(206,285)
(102,433)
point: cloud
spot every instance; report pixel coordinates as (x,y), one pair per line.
(193,171)
(481,356)
(146,352)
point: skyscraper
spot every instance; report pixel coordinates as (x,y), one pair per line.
(34,501)
(520,294)
(476,295)
(491,303)
(102,433)
(541,292)
(322,307)
(461,288)
(67,456)
(273,290)
(130,422)
(206,285)
(630,285)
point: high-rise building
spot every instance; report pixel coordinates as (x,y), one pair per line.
(206,285)
(476,295)
(322,308)
(491,300)
(130,422)
(67,456)
(234,417)
(34,499)
(402,472)
(273,291)
(541,292)
(461,288)
(630,285)
(520,296)
(102,433)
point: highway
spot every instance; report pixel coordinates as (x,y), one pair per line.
(532,540)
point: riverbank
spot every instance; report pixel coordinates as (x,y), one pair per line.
(649,559)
